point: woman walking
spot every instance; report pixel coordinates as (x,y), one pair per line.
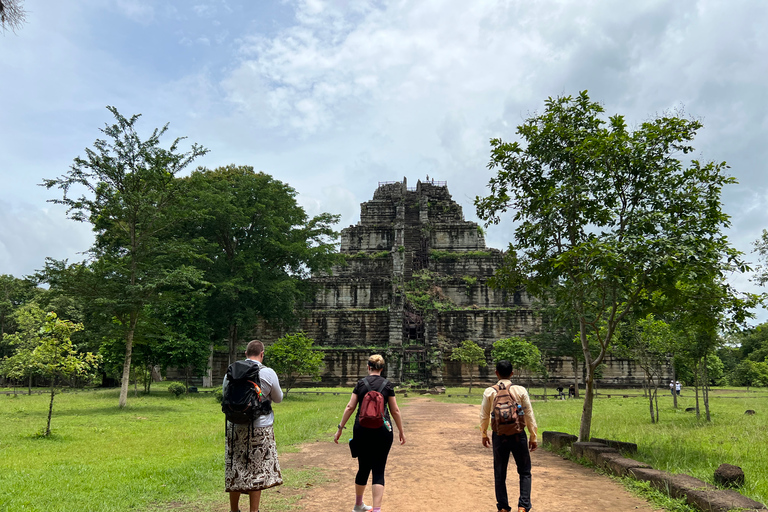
(372,444)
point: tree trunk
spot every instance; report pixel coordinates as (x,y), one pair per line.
(647,383)
(586,411)
(674,380)
(50,409)
(705,389)
(232,343)
(575,377)
(127,364)
(696,387)
(135,383)
(29,385)
(470,380)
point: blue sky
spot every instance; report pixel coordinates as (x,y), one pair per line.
(332,96)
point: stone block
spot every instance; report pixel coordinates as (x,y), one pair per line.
(560,440)
(547,437)
(592,453)
(621,446)
(729,475)
(720,500)
(578,448)
(618,465)
(678,486)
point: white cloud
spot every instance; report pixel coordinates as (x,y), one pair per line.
(137,10)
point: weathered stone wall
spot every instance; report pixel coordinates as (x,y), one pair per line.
(456,237)
(484,327)
(348,328)
(365,268)
(467,265)
(352,293)
(373,238)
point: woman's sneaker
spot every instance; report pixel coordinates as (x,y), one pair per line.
(361,508)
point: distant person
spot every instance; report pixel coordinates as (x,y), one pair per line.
(571,391)
(509,438)
(678,387)
(560,394)
(251,463)
(672,387)
(371,445)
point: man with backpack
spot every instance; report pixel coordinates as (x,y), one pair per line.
(249,390)
(508,409)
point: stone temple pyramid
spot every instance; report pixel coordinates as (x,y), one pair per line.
(413,286)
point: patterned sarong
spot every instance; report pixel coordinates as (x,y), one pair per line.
(251,459)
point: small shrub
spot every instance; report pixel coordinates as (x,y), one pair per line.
(218,395)
(176,388)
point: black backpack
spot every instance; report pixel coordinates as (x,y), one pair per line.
(243,400)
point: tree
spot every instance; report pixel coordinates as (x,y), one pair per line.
(12,15)
(260,245)
(522,354)
(750,373)
(293,356)
(130,196)
(647,343)
(29,320)
(605,216)
(470,354)
(53,356)
(13,293)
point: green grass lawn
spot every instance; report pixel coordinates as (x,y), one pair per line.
(161,450)
(679,443)
(158,450)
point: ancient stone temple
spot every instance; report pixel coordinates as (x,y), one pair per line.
(413,286)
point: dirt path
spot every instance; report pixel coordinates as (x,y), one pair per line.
(444,467)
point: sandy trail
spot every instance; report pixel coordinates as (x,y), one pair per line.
(443,466)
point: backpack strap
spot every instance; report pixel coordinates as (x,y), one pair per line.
(367,384)
(383,385)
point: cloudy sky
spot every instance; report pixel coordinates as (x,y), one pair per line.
(333,96)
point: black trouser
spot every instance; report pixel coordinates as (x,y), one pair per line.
(517,445)
(373,446)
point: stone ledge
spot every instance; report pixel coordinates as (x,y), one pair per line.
(579,448)
(622,446)
(698,493)
(617,464)
(558,440)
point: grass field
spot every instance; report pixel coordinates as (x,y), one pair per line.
(679,443)
(158,450)
(161,450)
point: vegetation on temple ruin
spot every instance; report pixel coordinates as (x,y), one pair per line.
(424,293)
(453,255)
(361,255)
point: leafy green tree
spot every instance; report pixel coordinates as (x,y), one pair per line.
(647,342)
(129,192)
(292,356)
(53,357)
(470,354)
(522,354)
(29,320)
(260,245)
(14,292)
(605,216)
(750,373)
